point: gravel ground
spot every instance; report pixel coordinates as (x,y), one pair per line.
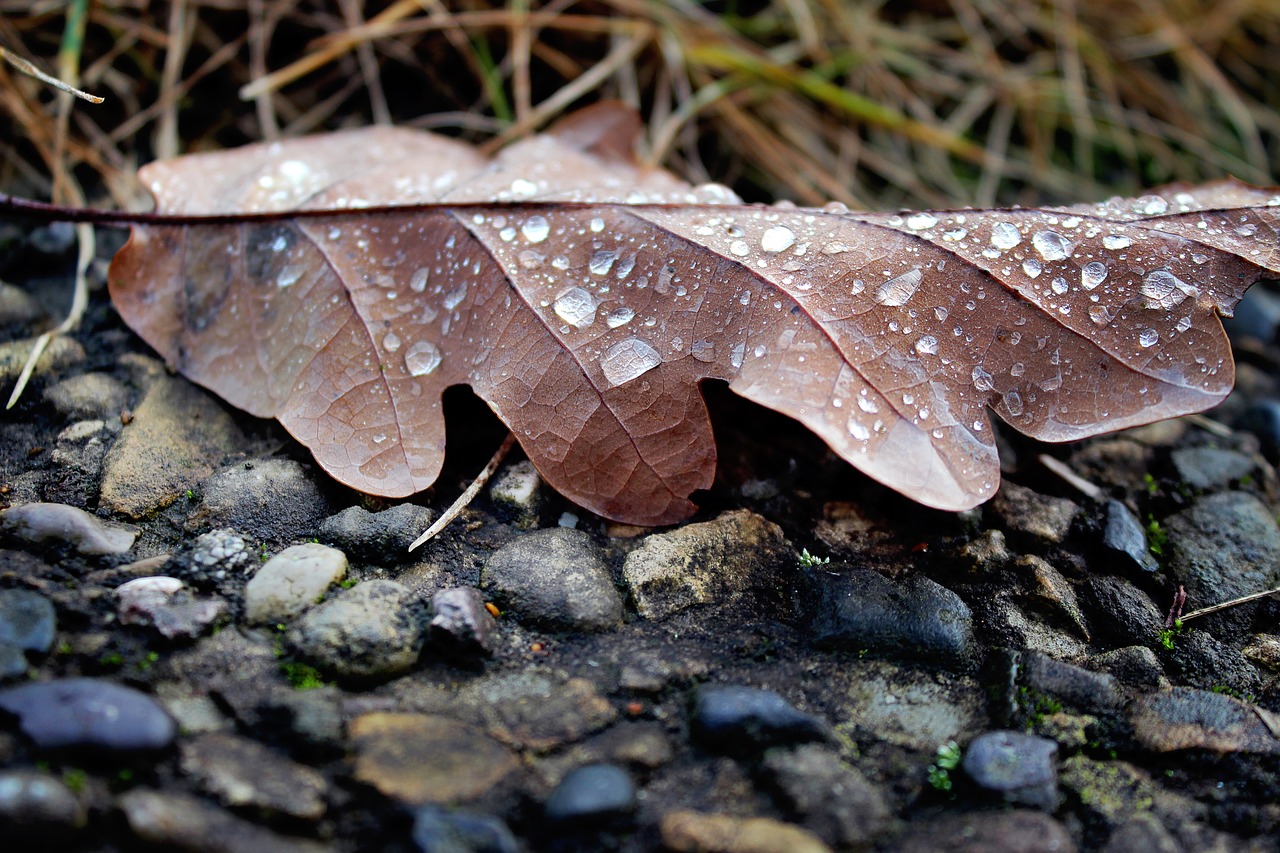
(207,645)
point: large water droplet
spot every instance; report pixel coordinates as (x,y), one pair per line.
(779,238)
(1116,241)
(1151,205)
(928,345)
(421,358)
(628,360)
(1093,274)
(858,429)
(1100,315)
(1059,285)
(868,405)
(898,291)
(1149,337)
(1163,290)
(454,297)
(535,229)
(1005,235)
(418,281)
(576,306)
(921,221)
(619,317)
(1032,267)
(1051,245)
(391,342)
(602,261)
(289,275)
(982,380)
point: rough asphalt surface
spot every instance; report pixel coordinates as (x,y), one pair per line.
(207,645)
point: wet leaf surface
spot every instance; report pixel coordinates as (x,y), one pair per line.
(584,296)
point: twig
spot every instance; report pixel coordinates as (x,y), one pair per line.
(1175,611)
(469,494)
(1064,471)
(1244,599)
(27,68)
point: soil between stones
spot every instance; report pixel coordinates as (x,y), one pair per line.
(739,694)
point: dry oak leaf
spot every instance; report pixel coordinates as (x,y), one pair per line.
(583,296)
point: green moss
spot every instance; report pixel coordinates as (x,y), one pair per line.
(808,560)
(1157,538)
(301,675)
(945,760)
(75,779)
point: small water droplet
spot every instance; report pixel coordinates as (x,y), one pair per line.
(1013,402)
(391,342)
(418,281)
(522,188)
(1017,369)
(628,360)
(1116,241)
(1005,235)
(1184,324)
(704,350)
(1247,230)
(739,248)
(597,225)
(619,317)
(1199,258)
(941,313)
(982,380)
(927,345)
(535,229)
(454,297)
(1051,245)
(1032,267)
(422,358)
(1149,337)
(921,221)
(736,354)
(1059,285)
(576,306)
(899,290)
(1100,315)
(779,238)
(955,235)
(1093,274)
(507,234)
(868,405)
(858,429)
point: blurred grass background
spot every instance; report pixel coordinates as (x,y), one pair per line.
(912,103)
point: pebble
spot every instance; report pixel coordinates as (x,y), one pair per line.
(555,579)
(243,772)
(1224,546)
(87,712)
(378,537)
(1017,831)
(518,491)
(28,620)
(909,619)
(686,831)
(539,712)
(177,435)
(438,830)
(33,802)
(43,524)
(460,619)
(1124,535)
(215,557)
(1263,420)
(1136,666)
(1210,468)
(1187,718)
(1202,660)
(746,719)
(722,561)
(1021,768)
(1091,692)
(832,799)
(183,822)
(271,499)
(164,603)
(421,758)
(1033,515)
(88,396)
(911,707)
(1120,612)
(18,308)
(592,795)
(292,581)
(1049,587)
(1142,833)
(373,631)
(1264,649)
(13,663)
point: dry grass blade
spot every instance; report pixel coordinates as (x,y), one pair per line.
(468,495)
(30,69)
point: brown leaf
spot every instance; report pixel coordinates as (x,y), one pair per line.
(584,296)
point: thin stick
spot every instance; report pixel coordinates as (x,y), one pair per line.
(469,494)
(27,68)
(1064,471)
(1245,599)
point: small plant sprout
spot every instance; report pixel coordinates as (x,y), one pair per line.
(946,760)
(808,560)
